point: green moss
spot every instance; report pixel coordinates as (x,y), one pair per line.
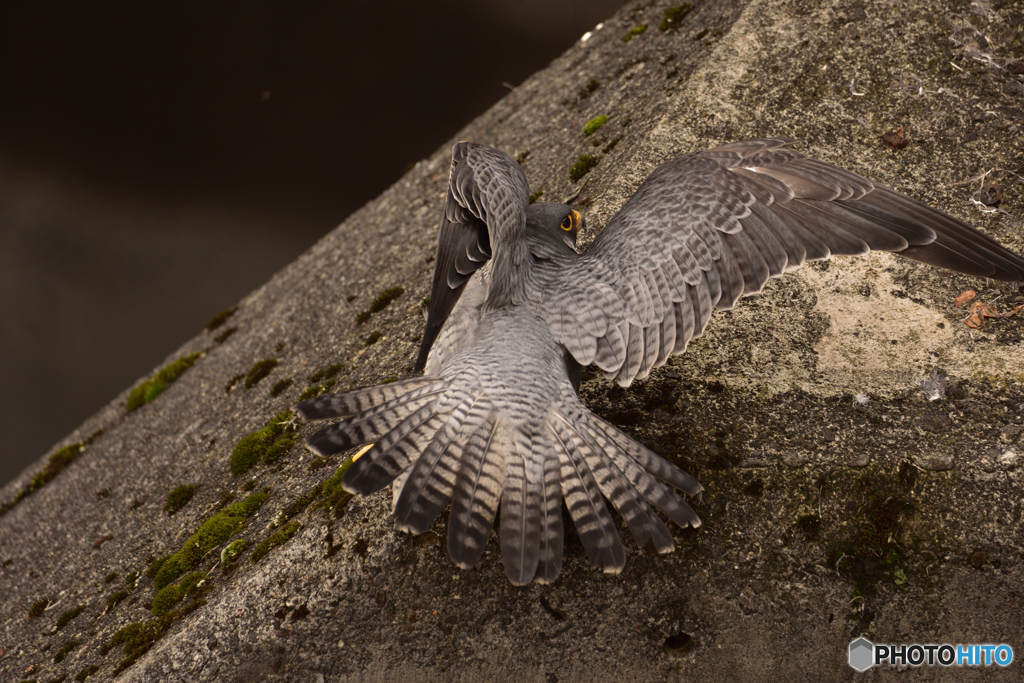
(86,672)
(592,126)
(232,382)
(258,371)
(266,444)
(155,565)
(534,196)
(583,166)
(385,298)
(56,463)
(223,336)
(65,650)
(634,32)
(169,596)
(674,17)
(268,544)
(335,495)
(179,497)
(233,550)
(867,549)
(249,485)
(280,386)
(382,301)
(211,533)
(116,598)
(155,385)
(111,577)
(67,616)
(372,339)
(220,318)
(38,608)
(130,579)
(140,636)
(326,373)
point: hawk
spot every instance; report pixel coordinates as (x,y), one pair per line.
(495,423)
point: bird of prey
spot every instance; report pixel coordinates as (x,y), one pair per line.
(495,422)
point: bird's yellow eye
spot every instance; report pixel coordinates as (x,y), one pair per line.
(571,221)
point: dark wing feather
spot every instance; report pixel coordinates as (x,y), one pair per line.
(707,228)
(483,187)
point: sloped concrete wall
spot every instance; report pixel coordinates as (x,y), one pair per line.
(826,517)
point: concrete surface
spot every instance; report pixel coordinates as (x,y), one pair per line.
(826,517)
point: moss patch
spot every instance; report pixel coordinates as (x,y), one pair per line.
(220,318)
(674,17)
(315,390)
(335,496)
(232,550)
(56,463)
(155,385)
(179,497)
(38,608)
(534,196)
(583,166)
(169,596)
(211,533)
(280,386)
(326,373)
(382,301)
(266,444)
(223,336)
(866,550)
(140,636)
(65,650)
(116,598)
(372,339)
(86,672)
(592,126)
(258,371)
(67,616)
(634,32)
(385,298)
(268,544)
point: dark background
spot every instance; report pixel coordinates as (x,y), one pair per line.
(159,160)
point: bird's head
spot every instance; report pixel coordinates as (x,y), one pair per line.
(552,229)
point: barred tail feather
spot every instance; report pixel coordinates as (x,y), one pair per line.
(356,402)
(478,487)
(395,452)
(520,516)
(645,526)
(594,522)
(431,479)
(372,424)
(623,451)
(552,531)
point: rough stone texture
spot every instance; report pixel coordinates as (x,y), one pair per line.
(826,516)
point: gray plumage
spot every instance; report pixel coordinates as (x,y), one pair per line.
(495,423)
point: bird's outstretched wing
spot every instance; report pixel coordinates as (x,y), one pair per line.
(485,187)
(706,228)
